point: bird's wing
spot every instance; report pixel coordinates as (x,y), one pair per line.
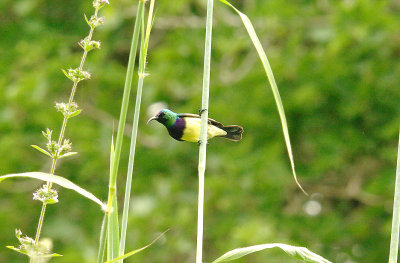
(211,121)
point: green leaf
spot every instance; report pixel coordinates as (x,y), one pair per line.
(67,155)
(75,113)
(87,20)
(301,253)
(113,230)
(263,57)
(66,74)
(42,150)
(25,252)
(57,180)
(135,251)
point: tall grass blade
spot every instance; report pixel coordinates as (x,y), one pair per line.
(301,253)
(61,181)
(263,57)
(112,213)
(203,130)
(112,217)
(127,91)
(394,238)
(142,66)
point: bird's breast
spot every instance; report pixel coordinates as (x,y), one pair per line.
(176,130)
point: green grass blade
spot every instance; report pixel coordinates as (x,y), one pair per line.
(128,184)
(394,239)
(112,213)
(127,91)
(102,243)
(263,57)
(113,231)
(112,218)
(301,253)
(61,181)
(135,251)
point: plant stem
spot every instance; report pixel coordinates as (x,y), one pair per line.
(127,91)
(116,152)
(142,66)
(394,239)
(61,136)
(102,243)
(203,131)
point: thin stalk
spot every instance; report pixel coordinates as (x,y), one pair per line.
(394,239)
(142,75)
(102,243)
(61,136)
(203,131)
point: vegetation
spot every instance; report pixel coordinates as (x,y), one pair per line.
(336,67)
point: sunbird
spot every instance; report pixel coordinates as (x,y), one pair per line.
(186,127)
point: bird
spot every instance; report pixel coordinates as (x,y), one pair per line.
(186,127)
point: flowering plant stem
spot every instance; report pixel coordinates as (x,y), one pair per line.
(203,130)
(93,23)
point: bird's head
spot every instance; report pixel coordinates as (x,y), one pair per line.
(165,117)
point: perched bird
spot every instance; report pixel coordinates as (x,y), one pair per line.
(186,127)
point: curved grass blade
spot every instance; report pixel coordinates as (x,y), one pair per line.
(57,180)
(301,253)
(263,57)
(135,251)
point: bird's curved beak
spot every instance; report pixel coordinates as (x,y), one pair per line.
(151,119)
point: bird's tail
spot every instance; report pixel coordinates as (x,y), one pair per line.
(233,132)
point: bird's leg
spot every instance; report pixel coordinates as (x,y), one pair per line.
(201,111)
(199,142)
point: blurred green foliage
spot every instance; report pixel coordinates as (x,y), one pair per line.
(336,64)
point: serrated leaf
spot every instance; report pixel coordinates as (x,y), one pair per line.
(57,180)
(67,155)
(301,253)
(42,150)
(263,57)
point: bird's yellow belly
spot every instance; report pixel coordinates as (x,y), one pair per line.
(191,133)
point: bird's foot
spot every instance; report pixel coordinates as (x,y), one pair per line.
(199,142)
(201,111)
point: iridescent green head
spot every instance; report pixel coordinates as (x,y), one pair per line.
(165,117)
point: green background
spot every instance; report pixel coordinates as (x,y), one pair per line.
(336,64)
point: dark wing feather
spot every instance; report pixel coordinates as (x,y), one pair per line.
(191,115)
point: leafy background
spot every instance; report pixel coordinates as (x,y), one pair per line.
(336,64)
